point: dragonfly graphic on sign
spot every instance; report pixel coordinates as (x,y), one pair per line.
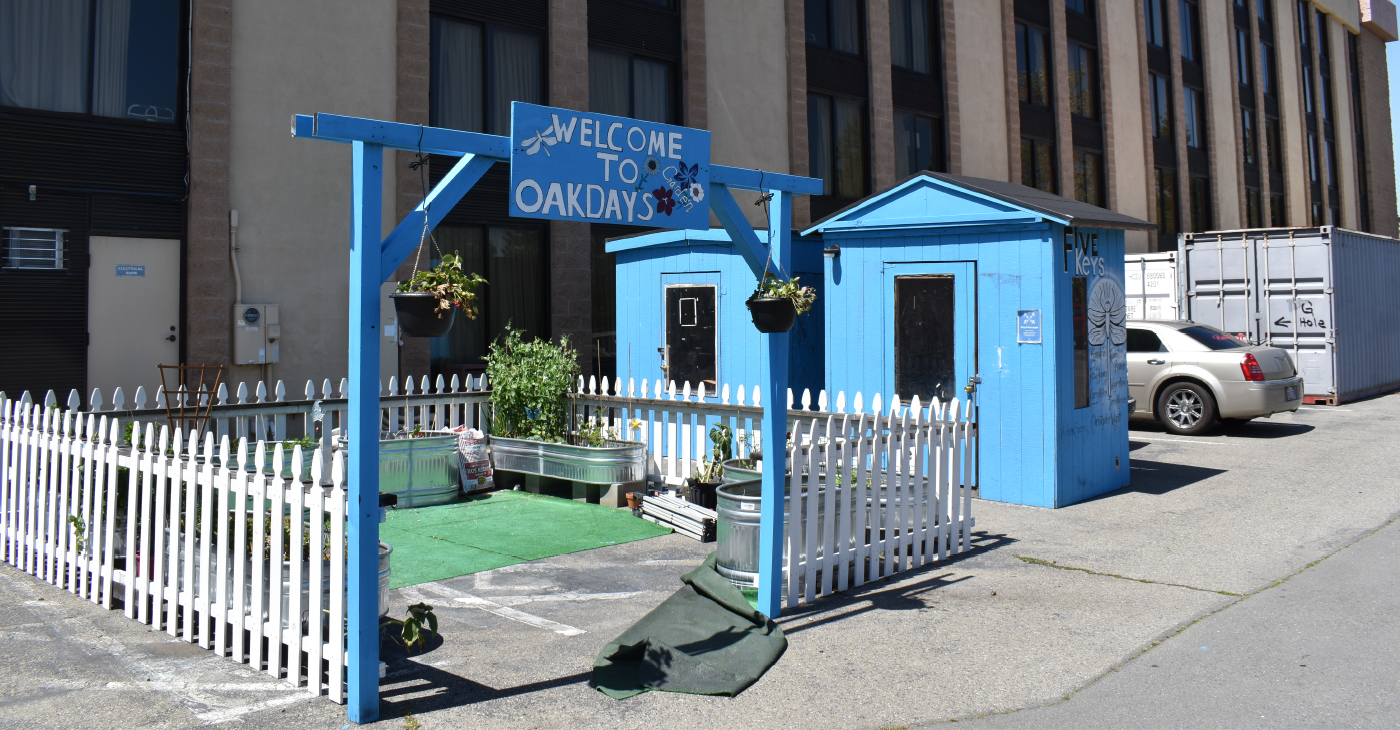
(1028,326)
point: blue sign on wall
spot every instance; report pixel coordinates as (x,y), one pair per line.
(131,269)
(1028,326)
(568,165)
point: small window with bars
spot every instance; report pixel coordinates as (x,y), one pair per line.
(34,248)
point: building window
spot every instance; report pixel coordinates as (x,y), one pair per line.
(1273,143)
(1083,82)
(1088,177)
(836,143)
(1077,6)
(1242,68)
(1277,219)
(1250,144)
(1195,113)
(1166,203)
(1266,68)
(909,35)
(1161,107)
(1325,86)
(1200,204)
(477,71)
(834,24)
(1190,31)
(1331,150)
(918,142)
(1307,90)
(1032,65)
(111,58)
(626,86)
(1312,157)
(1253,216)
(512,260)
(1304,33)
(1317,213)
(1079,307)
(1038,164)
(34,248)
(1155,13)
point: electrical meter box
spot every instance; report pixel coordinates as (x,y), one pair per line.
(256,334)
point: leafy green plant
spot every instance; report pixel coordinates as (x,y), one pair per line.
(594,432)
(721,450)
(774,288)
(448,283)
(530,384)
(78,531)
(412,632)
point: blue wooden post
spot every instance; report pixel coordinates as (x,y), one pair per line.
(770,540)
(362,475)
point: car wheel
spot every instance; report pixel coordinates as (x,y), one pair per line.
(1186,409)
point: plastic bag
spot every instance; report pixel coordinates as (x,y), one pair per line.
(474,460)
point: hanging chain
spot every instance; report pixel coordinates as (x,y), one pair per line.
(427,234)
(763,199)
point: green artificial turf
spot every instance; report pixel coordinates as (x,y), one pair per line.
(498,529)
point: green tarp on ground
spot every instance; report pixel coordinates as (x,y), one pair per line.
(705,639)
(498,529)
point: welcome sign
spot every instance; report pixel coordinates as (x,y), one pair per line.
(579,166)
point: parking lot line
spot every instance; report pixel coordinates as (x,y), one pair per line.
(1329,409)
(1187,441)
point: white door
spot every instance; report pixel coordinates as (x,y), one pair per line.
(133,313)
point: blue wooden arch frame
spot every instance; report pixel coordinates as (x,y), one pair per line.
(373,261)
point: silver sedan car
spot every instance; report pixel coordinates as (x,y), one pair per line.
(1186,375)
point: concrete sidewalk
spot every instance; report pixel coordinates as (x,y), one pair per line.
(1050,601)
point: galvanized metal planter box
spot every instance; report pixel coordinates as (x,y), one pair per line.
(421,471)
(616,465)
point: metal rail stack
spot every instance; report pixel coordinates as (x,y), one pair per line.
(686,518)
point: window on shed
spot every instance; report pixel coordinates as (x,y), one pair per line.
(923,337)
(691,336)
(34,248)
(1079,299)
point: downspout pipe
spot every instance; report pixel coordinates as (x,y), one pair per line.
(233,255)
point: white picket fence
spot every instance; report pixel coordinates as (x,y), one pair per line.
(123,518)
(199,541)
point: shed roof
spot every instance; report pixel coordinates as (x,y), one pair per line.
(673,237)
(943,199)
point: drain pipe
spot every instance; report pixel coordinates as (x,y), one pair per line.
(233,255)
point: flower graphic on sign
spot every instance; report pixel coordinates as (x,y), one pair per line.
(1107,314)
(664,201)
(697,192)
(532,145)
(686,175)
(651,165)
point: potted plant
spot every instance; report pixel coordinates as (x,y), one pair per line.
(427,303)
(775,304)
(531,416)
(710,474)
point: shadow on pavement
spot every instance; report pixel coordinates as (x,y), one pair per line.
(1142,433)
(1159,477)
(433,689)
(881,595)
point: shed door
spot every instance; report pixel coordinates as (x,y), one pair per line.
(931,330)
(691,336)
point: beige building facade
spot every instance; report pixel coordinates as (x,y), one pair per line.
(1193,114)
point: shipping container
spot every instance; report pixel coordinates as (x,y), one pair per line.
(1325,294)
(1150,285)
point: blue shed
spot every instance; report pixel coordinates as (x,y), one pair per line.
(681,314)
(945,279)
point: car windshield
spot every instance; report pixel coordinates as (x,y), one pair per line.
(1212,337)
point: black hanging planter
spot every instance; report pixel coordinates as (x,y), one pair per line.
(772,315)
(419,315)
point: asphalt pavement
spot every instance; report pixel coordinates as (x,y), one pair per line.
(1318,650)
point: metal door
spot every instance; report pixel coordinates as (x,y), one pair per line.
(1221,287)
(133,312)
(931,330)
(692,336)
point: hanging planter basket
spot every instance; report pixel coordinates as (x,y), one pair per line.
(419,315)
(772,316)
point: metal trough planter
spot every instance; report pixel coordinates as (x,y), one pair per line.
(422,471)
(615,465)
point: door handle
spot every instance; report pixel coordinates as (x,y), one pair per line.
(1156,362)
(171,338)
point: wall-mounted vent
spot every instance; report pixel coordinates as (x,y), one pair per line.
(34,248)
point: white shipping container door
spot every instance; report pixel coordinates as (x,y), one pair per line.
(1221,287)
(1151,289)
